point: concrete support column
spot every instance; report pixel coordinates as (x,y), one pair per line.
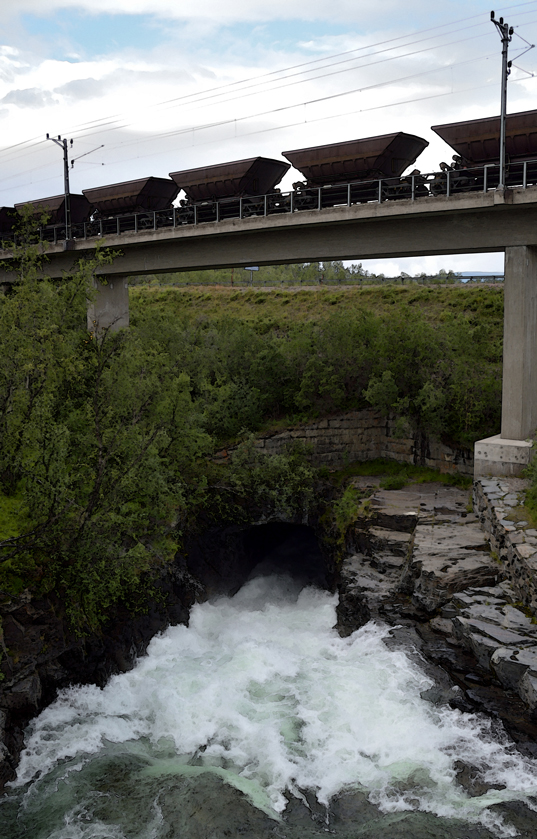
(509,452)
(110,307)
(519,396)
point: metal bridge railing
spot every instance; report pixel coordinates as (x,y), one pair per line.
(414,187)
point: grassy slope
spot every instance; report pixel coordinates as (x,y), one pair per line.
(279,309)
(275,308)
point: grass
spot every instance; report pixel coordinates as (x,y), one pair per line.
(13,521)
(286,305)
(522,513)
(13,515)
(396,475)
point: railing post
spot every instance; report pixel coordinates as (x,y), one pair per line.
(525,174)
(136,222)
(217,210)
(485,178)
(413,186)
(174,217)
(265,204)
(100,227)
(291,207)
(118,226)
(348,195)
(448,184)
(380,191)
(240,207)
(319,198)
(154,219)
(195,213)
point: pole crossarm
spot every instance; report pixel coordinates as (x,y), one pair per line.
(65,145)
(506,33)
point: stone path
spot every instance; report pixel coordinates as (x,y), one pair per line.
(421,552)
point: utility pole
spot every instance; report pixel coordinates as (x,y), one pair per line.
(65,145)
(506,33)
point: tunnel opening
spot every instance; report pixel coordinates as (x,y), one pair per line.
(222,559)
(283,548)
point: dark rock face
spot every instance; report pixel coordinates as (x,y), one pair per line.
(41,655)
(352,611)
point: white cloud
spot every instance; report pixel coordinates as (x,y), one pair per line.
(112,96)
(490,262)
(31,97)
(233,10)
(81,89)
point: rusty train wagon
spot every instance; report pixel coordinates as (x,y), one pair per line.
(477,146)
(131,205)
(236,189)
(345,173)
(54,208)
(356,171)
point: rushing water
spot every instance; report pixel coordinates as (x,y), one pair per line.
(260,702)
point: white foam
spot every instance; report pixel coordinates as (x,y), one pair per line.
(261,686)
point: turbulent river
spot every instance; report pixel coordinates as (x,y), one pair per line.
(259,720)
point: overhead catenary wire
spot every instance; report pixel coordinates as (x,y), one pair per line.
(259,79)
(117,124)
(105,121)
(30,147)
(271,111)
(302,122)
(315,101)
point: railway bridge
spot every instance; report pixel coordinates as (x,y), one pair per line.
(470,222)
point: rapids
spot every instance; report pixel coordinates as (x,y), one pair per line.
(259,720)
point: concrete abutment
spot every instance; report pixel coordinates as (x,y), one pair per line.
(109,308)
(506,454)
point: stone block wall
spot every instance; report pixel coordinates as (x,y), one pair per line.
(515,543)
(365,435)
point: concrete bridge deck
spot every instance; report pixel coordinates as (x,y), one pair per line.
(461,223)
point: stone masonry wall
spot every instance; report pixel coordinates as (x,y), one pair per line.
(365,435)
(515,543)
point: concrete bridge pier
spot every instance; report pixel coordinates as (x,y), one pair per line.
(508,453)
(109,308)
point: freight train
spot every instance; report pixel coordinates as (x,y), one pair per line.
(353,172)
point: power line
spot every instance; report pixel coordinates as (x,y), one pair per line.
(297,123)
(121,123)
(259,79)
(99,127)
(315,101)
(115,126)
(197,96)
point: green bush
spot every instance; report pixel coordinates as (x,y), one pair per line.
(95,432)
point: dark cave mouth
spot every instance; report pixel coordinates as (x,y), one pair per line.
(283,548)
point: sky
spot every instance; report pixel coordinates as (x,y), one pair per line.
(149,87)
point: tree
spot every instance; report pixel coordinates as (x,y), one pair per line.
(95,432)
